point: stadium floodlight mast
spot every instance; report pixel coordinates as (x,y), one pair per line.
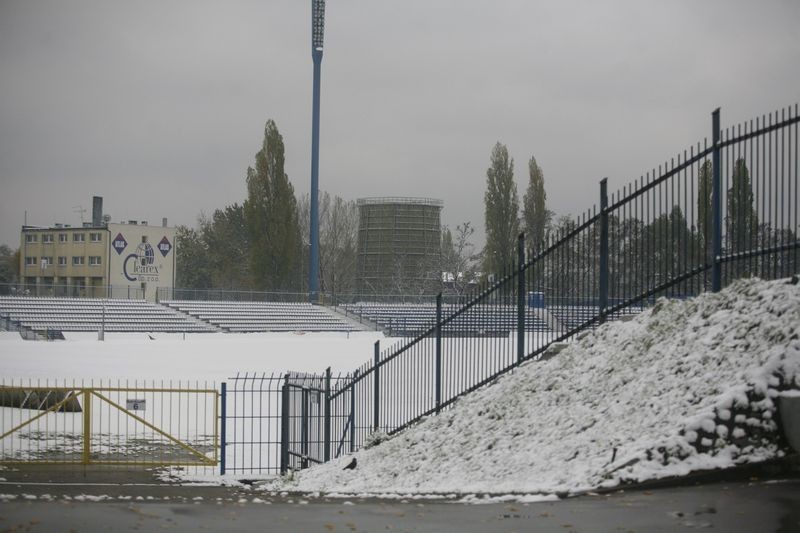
(317,34)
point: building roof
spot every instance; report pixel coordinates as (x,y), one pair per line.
(432,202)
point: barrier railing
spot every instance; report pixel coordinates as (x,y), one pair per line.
(109,423)
(711,215)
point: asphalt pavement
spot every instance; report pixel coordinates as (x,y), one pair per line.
(103,502)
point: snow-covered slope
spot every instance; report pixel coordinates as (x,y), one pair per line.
(687,385)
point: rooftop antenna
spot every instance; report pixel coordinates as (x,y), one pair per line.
(79,209)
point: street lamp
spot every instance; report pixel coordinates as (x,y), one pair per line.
(317,34)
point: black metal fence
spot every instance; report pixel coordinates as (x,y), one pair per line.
(251,423)
(280,421)
(713,214)
(64,290)
(232,295)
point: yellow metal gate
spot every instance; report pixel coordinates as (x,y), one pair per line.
(110,425)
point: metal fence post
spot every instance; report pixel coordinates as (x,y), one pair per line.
(87,426)
(285,425)
(376,369)
(603,293)
(438,351)
(716,205)
(222,435)
(327,429)
(353,412)
(521,297)
(304,423)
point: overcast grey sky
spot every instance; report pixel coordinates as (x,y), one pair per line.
(159,106)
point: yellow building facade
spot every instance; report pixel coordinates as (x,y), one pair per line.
(111,260)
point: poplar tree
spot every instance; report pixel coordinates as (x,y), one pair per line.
(535,215)
(501,212)
(742,220)
(271,217)
(704,208)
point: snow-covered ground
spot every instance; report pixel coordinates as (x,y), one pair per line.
(687,385)
(141,360)
(208,357)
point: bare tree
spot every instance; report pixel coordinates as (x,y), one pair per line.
(458,258)
(338,242)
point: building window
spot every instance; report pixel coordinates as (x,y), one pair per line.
(95,237)
(78,237)
(62,260)
(94,260)
(30,261)
(47,261)
(31,237)
(47,238)
(77,260)
(62,237)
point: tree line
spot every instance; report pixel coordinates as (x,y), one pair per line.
(261,244)
(647,250)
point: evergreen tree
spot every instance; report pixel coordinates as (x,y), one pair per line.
(270,212)
(191,267)
(226,238)
(534,208)
(669,246)
(9,268)
(741,218)
(501,212)
(704,208)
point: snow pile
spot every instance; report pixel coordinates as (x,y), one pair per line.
(687,385)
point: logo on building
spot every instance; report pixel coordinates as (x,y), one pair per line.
(139,266)
(164,246)
(119,243)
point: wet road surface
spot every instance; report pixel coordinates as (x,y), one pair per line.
(756,506)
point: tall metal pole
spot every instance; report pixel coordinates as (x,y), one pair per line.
(223,395)
(603,289)
(438,385)
(376,408)
(521,297)
(317,34)
(716,205)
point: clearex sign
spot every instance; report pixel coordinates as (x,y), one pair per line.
(141,259)
(141,264)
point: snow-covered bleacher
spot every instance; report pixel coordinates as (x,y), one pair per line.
(86,314)
(246,317)
(406,319)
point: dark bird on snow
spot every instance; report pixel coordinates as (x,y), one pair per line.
(351,465)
